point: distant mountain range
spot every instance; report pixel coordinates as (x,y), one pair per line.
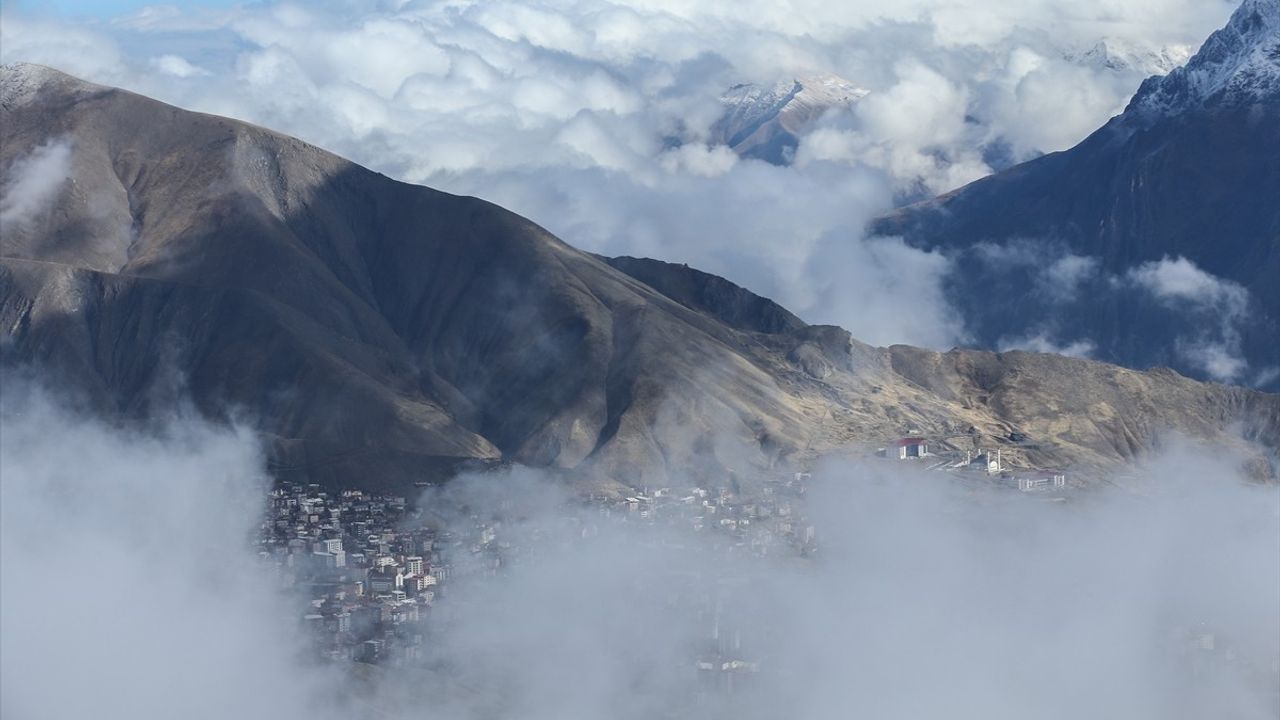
(766,123)
(378,333)
(1119,56)
(1155,241)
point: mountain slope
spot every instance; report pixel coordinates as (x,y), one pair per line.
(766,122)
(1190,171)
(378,333)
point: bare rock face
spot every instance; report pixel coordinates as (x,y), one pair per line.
(377,333)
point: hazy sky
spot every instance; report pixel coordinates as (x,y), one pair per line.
(105,8)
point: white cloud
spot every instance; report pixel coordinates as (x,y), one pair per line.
(177,66)
(33,181)
(592,615)
(1064,276)
(82,51)
(1221,360)
(700,160)
(1043,343)
(128,585)
(1059,273)
(918,131)
(883,292)
(1042,101)
(1219,307)
(1179,279)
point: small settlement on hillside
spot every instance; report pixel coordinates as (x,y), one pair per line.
(982,461)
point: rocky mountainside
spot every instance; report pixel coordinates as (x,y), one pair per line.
(766,122)
(378,333)
(1237,66)
(1186,180)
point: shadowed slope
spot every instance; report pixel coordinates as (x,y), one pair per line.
(1190,170)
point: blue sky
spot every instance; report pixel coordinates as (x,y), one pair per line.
(105,8)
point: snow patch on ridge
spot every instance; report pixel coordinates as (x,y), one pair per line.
(1120,56)
(788,105)
(1239,64)
(21,82)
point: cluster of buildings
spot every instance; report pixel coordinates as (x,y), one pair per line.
(373,570)
(982,462)
(760,522)
(370,582)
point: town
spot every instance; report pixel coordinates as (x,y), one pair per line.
(374,568)
(376,571)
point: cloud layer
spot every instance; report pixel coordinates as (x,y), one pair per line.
(128,576)
(126,579)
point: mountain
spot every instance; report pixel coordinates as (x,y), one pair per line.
(1168,215)
(377,333)
(766,122)
(1123,56)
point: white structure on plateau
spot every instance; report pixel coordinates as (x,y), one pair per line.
(984,461)
(1049,479)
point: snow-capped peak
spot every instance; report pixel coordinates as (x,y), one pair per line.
(764,121)
(20,82)
(1239,64)
(749,103)
(1123,56)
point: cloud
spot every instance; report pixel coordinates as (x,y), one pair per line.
(1043,101)
(1066,274)
(1200,319)
(33,181)
(127,580)
(83,51)
(916,131)
(1218,306)
(701,160)
(984,597)
(590,612)
(1043,343)
(897,290)
(177,66)
(1179,280)
(603,614)
(1057,273)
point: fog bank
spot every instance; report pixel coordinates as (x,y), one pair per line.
(130,589)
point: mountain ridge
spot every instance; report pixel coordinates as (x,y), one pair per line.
(765,123)
(379,333)
(1182,176)
(1240,63)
